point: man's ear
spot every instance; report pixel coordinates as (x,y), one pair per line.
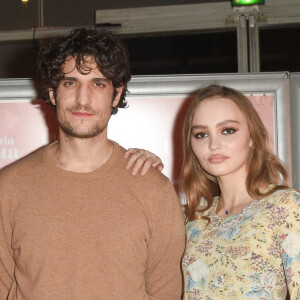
(116,100)
(52,96)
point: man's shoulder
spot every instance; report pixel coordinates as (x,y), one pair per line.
(27,163)
(152,177)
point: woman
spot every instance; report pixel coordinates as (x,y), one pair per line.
(243,222)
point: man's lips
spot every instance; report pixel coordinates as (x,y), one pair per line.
(217,158)
(82,114)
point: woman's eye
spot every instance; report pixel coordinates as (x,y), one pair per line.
(229,131)
(200,135)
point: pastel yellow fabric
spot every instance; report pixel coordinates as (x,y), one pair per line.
(254,254)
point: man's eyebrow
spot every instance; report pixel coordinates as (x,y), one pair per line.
(100,79)
(225,122)
(96,79)
(69,78)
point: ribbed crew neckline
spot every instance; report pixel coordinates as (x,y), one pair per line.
(96,172)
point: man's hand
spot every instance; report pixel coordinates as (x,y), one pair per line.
(140,158)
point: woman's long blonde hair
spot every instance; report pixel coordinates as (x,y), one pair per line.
(263,166)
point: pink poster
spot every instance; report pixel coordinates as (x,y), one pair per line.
(153,123)
(24,127)
(264,106)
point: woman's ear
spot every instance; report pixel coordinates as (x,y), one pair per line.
(251,143)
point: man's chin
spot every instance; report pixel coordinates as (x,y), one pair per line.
(71,133)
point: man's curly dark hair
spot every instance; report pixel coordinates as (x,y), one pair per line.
(105,47)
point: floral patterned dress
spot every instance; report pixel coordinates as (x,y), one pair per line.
(254,254)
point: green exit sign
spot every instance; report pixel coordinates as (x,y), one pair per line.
(246,2)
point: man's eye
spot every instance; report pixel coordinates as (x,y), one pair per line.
(201,135)
(99,84)
(68,83)
(229,131)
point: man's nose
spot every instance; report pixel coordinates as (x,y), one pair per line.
(83,95)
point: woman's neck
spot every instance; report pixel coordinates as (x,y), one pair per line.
(233,195)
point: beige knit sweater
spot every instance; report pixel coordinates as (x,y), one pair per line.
(99,235)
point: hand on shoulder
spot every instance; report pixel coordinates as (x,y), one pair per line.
(143,160)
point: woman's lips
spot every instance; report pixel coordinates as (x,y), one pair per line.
(217,158)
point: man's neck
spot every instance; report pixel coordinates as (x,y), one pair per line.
(81,155)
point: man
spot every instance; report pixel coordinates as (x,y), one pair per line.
(75,224)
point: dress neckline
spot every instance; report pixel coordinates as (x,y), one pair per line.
(249,206)
(240,213)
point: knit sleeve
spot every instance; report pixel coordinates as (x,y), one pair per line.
(6,254)
(166,246)
(287,229)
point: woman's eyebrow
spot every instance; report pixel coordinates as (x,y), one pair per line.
(199,127)
(225,122)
